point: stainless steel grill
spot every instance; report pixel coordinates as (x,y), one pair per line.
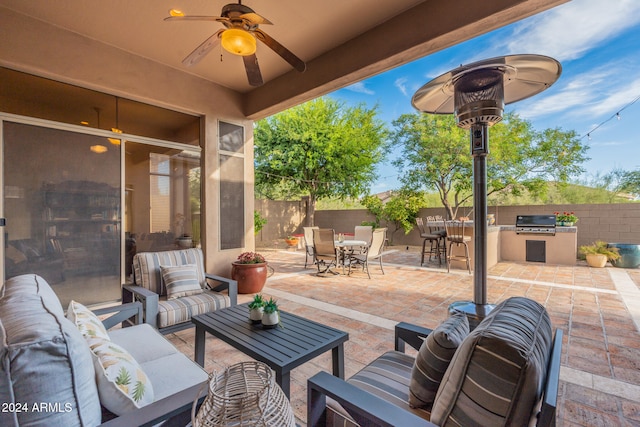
(536,224)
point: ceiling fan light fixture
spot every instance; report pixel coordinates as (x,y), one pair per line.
(176,12)
(238,42)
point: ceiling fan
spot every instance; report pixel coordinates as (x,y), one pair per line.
(239,37)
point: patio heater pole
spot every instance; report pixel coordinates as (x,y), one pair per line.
(479,150)
(477,94)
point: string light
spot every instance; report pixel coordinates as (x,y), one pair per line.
(616,115)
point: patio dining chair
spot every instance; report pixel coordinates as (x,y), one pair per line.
(308,245)
(325,250)
(372,253)
(364,233)
(456,236)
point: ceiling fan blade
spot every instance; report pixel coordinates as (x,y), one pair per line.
(256,19)
(253,71)
(285,53)
(196,18)
(201,51)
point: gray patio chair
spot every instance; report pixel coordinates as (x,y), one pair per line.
(372,253)
(456,236)
(325,250)
(308,245)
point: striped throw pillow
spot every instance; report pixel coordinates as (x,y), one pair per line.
(180,281)
(433,358)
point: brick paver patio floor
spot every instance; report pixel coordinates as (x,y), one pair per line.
(598,309)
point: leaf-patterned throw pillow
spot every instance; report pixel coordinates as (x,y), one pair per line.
(122,384)
(87,322)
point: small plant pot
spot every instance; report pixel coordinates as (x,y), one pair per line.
(255,314)
(291,242)
(270,320)
(596,260)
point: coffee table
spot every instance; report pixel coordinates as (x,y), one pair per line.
(282,349)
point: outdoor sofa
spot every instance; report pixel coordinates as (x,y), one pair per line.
(503,373)
(173,286)
(55,366)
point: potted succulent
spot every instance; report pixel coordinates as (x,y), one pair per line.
(598,254)
(271,314)
(256,308)
(250,271)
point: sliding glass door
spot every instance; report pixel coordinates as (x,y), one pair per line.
(62,204)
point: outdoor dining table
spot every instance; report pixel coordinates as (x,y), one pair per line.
(348,245)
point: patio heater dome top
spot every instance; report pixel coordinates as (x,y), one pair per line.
(478,92)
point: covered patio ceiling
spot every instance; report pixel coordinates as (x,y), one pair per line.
(342,42)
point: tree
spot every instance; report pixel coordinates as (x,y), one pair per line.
(619,181)
(436,156)
(318,149)
(400,210)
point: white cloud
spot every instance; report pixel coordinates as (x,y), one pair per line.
(568,31)
(597,93)
(360,88)
(401,83)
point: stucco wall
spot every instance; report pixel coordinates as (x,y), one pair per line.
(609,222)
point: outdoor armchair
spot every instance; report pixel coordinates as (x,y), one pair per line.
(169,301)
(505,372)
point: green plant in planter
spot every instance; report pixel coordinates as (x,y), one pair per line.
(270,306)
(600,248)
(256,308)
(258,301)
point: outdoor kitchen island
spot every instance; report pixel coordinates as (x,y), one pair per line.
(560,247)
(524,243)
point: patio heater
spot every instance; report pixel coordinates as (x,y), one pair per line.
(476,94)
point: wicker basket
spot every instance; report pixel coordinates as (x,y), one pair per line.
(244,394)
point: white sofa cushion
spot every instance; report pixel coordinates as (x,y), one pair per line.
(154,353)
(43,359)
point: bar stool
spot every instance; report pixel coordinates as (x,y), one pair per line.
(433,239)
(436,225)
(456,236)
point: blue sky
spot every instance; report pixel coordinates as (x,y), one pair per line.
(598,44)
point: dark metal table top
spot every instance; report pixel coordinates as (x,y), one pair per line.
(297,341)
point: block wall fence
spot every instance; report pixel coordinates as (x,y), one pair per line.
(619,223)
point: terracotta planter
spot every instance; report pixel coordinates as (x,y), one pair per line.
(596,260)
(250,277)
(291,242)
